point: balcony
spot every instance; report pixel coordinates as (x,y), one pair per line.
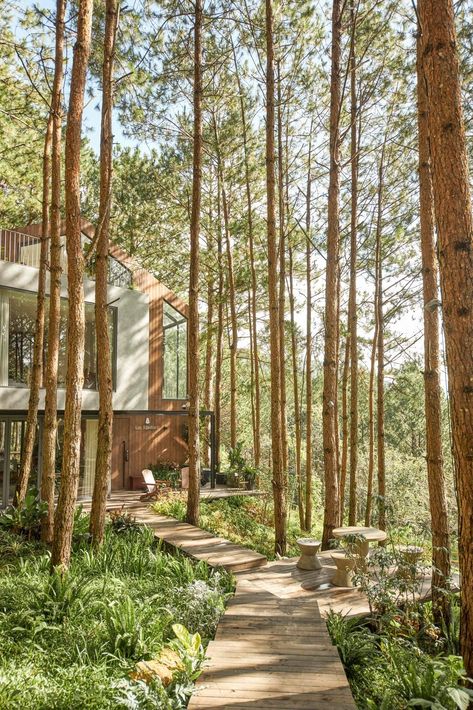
(19,248)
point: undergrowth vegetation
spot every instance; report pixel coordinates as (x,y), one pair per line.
(73,641)
(401,660)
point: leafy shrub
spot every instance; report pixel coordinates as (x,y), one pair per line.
(190,649)
(26,518)
(200,606)
(122,521)
(80,532)
(58,595)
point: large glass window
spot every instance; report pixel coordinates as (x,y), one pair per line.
(17,328)
(175,353)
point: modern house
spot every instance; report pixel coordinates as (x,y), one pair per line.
(148,326)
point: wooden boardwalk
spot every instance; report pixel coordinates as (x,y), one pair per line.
(272,653)
(201,545)
(272,648)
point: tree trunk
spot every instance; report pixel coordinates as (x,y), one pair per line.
(278,475)
(208,351)
(329,410)
(307,525)
(104,354)
(233,312)
(219,343)
(352,305)
(282,278)
(295,381)
(345,418)
(193,497)
(48,476)
(432,386)
(380,354)
(450,179)
(64,518)
(37,364)
(369,492)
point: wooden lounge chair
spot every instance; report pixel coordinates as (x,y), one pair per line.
(155,487)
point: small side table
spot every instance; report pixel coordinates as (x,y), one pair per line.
(309,549)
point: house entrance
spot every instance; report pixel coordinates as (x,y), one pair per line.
(120,453)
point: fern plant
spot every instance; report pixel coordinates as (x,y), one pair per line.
(425,682)
(124,630)
(357,647)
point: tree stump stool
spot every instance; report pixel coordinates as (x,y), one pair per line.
(309,548)
(343,576)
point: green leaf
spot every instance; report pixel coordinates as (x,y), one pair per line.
(460,697)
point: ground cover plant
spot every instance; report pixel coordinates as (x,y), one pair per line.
(126,626)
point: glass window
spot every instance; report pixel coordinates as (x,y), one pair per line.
(175,353)
(17,328)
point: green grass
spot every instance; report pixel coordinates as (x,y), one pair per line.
(72,641)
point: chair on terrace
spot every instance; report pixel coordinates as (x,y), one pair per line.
(155,487)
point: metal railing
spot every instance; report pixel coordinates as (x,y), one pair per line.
(19,248)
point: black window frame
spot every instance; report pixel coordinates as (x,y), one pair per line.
(169,326)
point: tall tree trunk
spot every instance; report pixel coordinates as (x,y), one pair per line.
(278,474)
(193,497)
(64,518)
(345,421)
(295,381)
(48,476)
(352,305)
(104,354)
(371,444)
(451,189)
(308,342)
(233,315)
(37,364)
(432,387)
(208,349)
(282,277)
(380,353)
(329,411)
(219,343)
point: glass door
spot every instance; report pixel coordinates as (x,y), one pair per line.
(12,434)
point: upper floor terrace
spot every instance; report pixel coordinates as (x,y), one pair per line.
(20,247)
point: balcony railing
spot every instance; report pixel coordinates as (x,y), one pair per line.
(25,249)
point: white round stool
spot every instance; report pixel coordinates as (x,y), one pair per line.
(309,548)
(344,573)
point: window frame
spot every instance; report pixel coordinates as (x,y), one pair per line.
(169,326)
(114,340)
